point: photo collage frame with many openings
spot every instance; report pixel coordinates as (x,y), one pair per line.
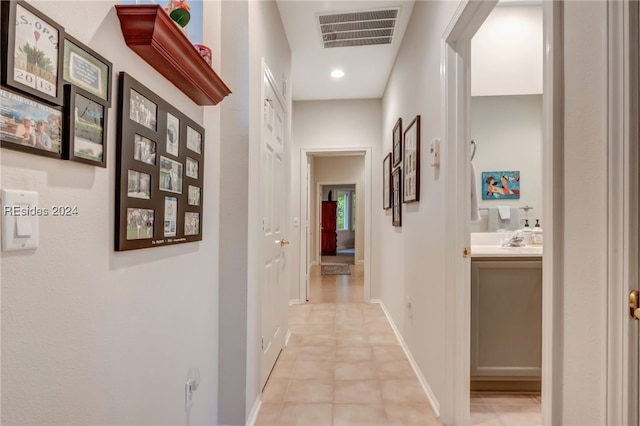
(160,166)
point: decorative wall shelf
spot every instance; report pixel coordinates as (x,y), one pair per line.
(151,33)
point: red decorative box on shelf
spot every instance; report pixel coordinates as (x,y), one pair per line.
(149,31)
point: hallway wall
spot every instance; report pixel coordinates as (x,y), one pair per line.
(251,31)
(92,336)
(414,253)
(335,124)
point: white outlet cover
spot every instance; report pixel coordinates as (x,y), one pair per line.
(20,217)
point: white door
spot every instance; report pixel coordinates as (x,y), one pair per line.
(273,194)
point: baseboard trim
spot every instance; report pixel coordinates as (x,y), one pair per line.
(359,262)
(296,302)
(423,382)
(253,415)
(286,338)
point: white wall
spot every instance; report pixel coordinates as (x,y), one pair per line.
(508,134)
(583,380)
(343,169)
(507,52)
(414,255)
(93,336)
(335,124)
(251,31)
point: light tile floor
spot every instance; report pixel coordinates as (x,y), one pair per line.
(507,410)
(344,366)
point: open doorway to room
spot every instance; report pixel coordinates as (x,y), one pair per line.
(346,172)
(338,218)
(506,126)
(471,328)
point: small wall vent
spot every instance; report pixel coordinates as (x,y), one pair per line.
(358,28)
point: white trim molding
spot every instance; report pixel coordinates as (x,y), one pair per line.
(553,211)
(622,210)
(253,415)
(433,401)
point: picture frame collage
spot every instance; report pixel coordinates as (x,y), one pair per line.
(159,169)
(398,187)
(55,92)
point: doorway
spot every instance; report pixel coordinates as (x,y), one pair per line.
(310,243)
(338,218)
(456,102)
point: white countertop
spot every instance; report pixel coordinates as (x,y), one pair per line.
(506,252)
(489,245)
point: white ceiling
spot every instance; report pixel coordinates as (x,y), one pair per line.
(366,68)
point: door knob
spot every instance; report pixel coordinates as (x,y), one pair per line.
(282,242)
(634,304)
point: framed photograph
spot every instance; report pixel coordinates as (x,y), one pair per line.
(144,149)
(411,162)
(194,140)
(501,185)
(396,148)
(170,216)
(140,224)
(85,129)
(173,135)
(142,110)
(28,125)
(194,196)
(31,58)
(191,223)
(386,182)
(396,197)
(159,167)
(170,175)
(139,185)
(86,69)
(192,168)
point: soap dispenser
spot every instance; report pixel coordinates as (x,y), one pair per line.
(526,232)
(536,234)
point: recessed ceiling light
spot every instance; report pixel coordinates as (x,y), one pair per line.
(337,73)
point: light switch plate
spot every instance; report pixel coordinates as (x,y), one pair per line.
(434,153)
(20,215)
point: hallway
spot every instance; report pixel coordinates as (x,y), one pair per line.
(343,364)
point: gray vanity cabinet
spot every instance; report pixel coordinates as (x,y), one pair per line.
(506,319)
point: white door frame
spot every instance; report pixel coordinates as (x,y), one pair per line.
(456,95)
(318,208)
(622,213)
(306,204)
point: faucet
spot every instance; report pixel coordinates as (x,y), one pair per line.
(516,240)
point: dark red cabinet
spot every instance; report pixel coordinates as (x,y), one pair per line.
(329,235)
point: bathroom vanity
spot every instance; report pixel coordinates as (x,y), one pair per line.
(506,317)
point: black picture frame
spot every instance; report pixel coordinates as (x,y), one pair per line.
(396,146)
(396,184)
(21,119)
(411,162)
(32,69)
(86,69)
(155,211)
(386,182)
(85,127)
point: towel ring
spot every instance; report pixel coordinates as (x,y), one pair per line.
(473,151)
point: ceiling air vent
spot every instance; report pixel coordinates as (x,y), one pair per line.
(358,28)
